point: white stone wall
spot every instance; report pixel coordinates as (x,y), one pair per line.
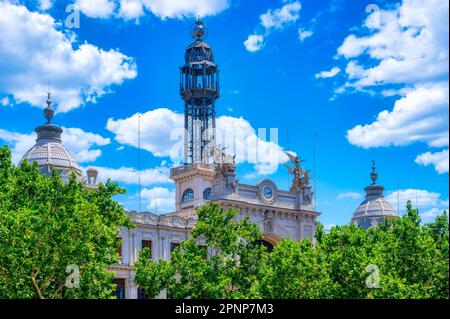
(285,216)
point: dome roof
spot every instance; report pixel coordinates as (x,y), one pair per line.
(199,51)
(374,208)
(49,153)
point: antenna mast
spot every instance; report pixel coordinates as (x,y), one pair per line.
(314,169)
(139,158)
(398,194)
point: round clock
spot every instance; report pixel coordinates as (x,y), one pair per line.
(267,193)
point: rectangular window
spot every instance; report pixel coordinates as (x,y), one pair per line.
(120,288)
(147,244)
(173,246)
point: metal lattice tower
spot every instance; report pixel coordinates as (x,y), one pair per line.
(199,88)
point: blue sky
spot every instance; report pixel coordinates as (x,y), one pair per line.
(369,78)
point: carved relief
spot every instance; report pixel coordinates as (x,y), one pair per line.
(268,222)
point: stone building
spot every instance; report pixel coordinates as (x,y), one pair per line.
(208,175)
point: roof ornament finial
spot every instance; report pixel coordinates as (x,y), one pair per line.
(374,174)
(199,31)
(48,111)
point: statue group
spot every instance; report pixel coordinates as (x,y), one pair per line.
(301,179)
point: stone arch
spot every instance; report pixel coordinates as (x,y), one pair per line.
(272,238)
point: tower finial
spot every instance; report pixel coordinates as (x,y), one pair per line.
(374,174)
(199,30)
(48,111)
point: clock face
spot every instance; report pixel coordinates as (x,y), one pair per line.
(267,193)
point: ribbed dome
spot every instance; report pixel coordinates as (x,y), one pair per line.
(374,208)
(49,152)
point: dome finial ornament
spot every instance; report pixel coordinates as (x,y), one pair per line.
(374,174)
(199,31)
(48,111)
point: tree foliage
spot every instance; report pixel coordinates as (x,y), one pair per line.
(399,259)
(49,230)
(229,269)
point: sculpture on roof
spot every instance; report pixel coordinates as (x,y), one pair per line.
(297,171)
(224,163)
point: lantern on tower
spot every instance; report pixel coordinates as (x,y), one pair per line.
(199,89)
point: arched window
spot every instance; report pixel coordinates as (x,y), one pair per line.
(188,196)
(207,193)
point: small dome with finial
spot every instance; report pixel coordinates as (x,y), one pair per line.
(48,152)
(375,207)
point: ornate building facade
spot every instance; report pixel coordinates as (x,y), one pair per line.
(208,175)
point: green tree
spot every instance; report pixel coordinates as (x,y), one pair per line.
(439,231)
(319,232)
(295,270)
(49,230)
(232,268)
(398,259)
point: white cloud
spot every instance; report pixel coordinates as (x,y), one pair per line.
(422,115)
(82,145)
(159,199)
(5,101)
(431,214)
(130,175)
(163,9)
(254,42)
(328,74)
(277,19)
(181,9)
(131,9)
(419,198)
(250,146)
(34,51)
(410,43)
(97,8)
(351,195)
(407,46)
(162,132)
(439,160)
(156,129)
(19,143)
(304,34)
(45,4)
